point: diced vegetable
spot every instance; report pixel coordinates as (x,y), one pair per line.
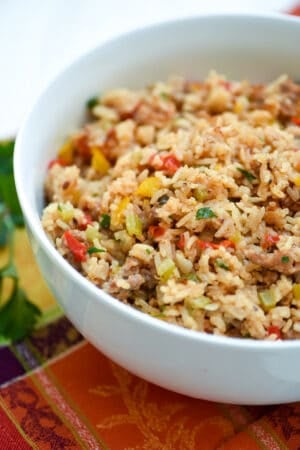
(165,96)
(58,161)
(92,250)
(181,242)
(170,164)
(267,299)
(297,181)
(236,237)
(91,233)
(192,277)
(92,102)
(200,194)
(156,231)
(269,240)
(205,213)
(222,264)
(285,259)
(134,225)
(296,120)
(66,212)
(148,187)
(272,329)
(87,220)
(250,177)
(227,243)
(296,291)
(65,153)
(76,247)
(118,214)
(163,200)
(204,244)
(105,221)
(198,303)
(99,162)
(166,269)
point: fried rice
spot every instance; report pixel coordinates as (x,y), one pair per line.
(182,200)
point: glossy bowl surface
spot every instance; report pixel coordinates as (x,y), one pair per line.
(210,367)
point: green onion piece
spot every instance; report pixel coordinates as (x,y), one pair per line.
(163,199)
(267,299)
(105,221)
(192,277)
(221,264)
(92,250)
(166,269)
(91,102)
(164,96)
(250,177)
(205,213)
(134,225)
(198,303)
(285,259)
(59,207)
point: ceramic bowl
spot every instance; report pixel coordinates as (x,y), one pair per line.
(224,369)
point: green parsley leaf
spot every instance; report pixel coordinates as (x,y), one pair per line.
(221,264)
(18,316)
(164,96)
(250,177)
(205,213)
(92,250)
(105,221)
(285,259)
(91,102)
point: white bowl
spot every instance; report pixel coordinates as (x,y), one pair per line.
(205,366)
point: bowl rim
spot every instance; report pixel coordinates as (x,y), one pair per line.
(32,216)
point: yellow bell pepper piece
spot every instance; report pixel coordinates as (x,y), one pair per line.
(65,152)
(117,214)
(296,291)
(99,162)
(297,181)
(148,187)
(236,237)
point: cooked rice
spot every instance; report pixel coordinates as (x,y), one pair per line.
(183,201)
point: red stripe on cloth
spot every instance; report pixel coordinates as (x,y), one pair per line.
(295,10)
(10,438)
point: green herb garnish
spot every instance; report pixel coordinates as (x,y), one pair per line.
(93,101)
(164,96)
(163,199)
(221,264)
(250,177)
(148,251)
(285,259)
(59,208)
(205,213)
(92,250)
(105,221)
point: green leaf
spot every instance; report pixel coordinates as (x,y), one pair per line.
(221,264)
(205,213)
(92,250)
(18,316)
(105,221)
(285,259)
(8,194)
(250,177)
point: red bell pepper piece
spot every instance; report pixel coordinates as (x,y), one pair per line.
(77,248)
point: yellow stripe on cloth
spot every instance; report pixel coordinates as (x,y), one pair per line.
(31,279)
